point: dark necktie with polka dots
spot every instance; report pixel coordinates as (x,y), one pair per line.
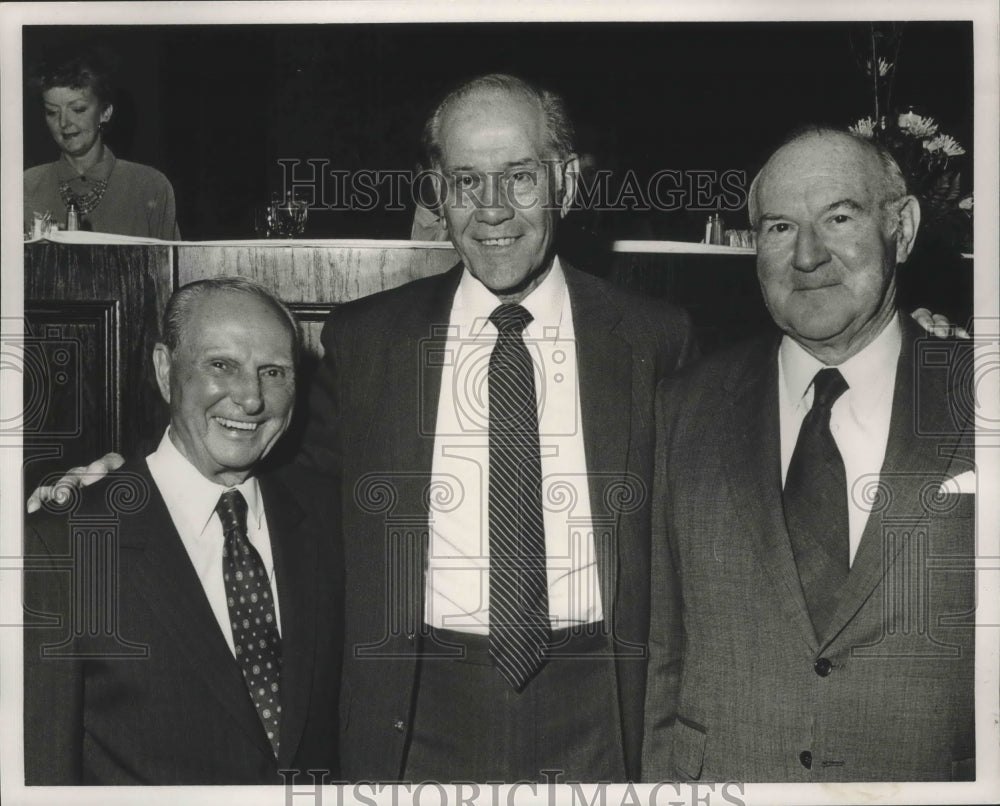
(251,614)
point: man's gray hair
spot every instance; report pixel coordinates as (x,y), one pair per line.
(179,306)
(558,126)
(893,181)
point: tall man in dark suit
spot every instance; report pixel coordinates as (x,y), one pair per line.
(197,631)
(451,674)
(813,590)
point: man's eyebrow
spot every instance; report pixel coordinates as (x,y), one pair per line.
(519,163)
(849,203)
(772,216)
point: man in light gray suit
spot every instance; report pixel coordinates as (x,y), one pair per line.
(813,589)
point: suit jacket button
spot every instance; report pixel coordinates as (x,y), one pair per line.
(806,758)
(823,667)
(399,725)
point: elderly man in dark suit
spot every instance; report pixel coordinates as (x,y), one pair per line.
(492,431)
(813,589)
(196,631)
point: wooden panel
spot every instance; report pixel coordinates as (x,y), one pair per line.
(333,272)
(72,399)
(62,284)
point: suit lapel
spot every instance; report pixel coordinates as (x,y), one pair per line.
(910,460)
(415,359)
(295,566)
(604,367)
(425,326)
(153,557)
(752,430)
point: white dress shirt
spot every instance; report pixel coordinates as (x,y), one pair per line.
(458,563)
(859,419)
(191,501)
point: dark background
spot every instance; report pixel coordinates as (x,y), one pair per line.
(216,107)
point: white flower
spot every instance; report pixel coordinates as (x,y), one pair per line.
(945,143)
(864,128)
(918,126)
(883,67)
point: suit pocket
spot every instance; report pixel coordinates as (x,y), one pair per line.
(688,749)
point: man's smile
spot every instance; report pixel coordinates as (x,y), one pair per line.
(507,240)
(237,425)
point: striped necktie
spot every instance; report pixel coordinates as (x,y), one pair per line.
(519,604)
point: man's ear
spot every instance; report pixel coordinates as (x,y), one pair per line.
(432,180)
(906,227)
(570,179)
(161,365)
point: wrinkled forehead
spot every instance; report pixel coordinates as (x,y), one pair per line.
(491,118)
(827,157)
(220,311)
(819,169)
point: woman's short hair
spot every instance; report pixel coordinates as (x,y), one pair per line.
(83,66)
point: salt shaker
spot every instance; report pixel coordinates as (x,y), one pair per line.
(717,236)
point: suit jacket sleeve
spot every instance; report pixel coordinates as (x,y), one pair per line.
(666,636)
(53,686)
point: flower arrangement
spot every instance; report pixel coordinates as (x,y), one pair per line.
(929,158)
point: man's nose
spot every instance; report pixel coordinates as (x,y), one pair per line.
(494,205)
(810,251)
(246,392)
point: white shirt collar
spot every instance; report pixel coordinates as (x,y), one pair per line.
(866,372)
(190,497)
(474,303)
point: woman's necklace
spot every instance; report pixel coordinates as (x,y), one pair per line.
(87,201)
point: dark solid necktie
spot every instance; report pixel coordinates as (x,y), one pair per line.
(519,601)
(251,614)
(815,500)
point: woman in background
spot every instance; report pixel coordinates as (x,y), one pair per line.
(110,194)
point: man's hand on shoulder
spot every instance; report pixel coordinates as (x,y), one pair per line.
(938,325)
(75,478)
